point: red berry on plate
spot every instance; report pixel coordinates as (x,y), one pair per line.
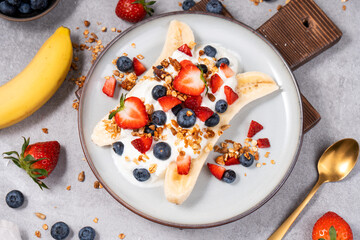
(226,70)
(215,83)
(138,67)
(231,96)
(263,143)
(193,102)
(185,49)
(142,144)
(185,62)
(183,164)
(188,81)
(109,86)
(254,128)
(232,161)
(203,113)
(133,10)
(216,170)
(331,226)
(168,102)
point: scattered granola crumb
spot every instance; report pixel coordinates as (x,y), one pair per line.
(100,185)
(68,187)
(98,23)
(344,7)
(270,10)
(119,31)
(104,29)
(344,1)
(121,236)
(81,176)
(77,28)
(96,184)
(263,163)
(95,220)
(75,105)
(45,226)
(180,4)
(267,154)
(258,165)
(40,215)
(133,45)
(279,7)
(38,234)
(45,130)
(86,23)
(152,168)
(245,174)
(113,29)
(141,57)
(273,161)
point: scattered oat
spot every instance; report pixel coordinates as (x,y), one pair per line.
(113,29)
(180,4)
(141,57)
(100,185)
(344,1)
(45,130)
(133,45)
(75,105)
(344,7)
(38,234)
(245,174)
(119,31)
(40,215)
(45,226)
(104,29)
(263,163)
(95,220)
(152,168)
(81,176)
(68,187)
(258,165)
(121,236)
(86,23)
(273,161)
(267,154)
(96,184)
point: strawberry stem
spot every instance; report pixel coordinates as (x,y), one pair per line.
(121,107)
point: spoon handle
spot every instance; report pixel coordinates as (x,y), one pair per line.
(281,231)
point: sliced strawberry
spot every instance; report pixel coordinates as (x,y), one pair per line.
(138,67)
(188,81)
(193,102)
(254,128)
(185,62)
(168,102)
(109,86)
(203,113)
(216,82)
(131,114)
(226,70)
(263,143)
(232,161)
(231,96)
(142,144)
(185,49)
(216,170)
(183,164)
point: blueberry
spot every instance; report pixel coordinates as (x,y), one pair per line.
(186,118)
(210,51)
(7,9)
(229,176)
(60,230)
(124,64)
(214,6)
(149,130)
(213,120)
(175,110)
(14,199)
(118,148)
(203,67)
(141,174)
(222,60)
(221,106)
(15,3)
(87,233)
(24,8)
(158,91)
(162,150)
(247,160)
(187,4)
(158,117)
(38,4)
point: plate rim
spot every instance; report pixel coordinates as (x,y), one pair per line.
(164,222)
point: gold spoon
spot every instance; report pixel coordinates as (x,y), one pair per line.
(334,165)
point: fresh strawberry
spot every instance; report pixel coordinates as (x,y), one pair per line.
(254,128)
(109,86)
(131,114)
(263,143)
(331,227)
(203,113)
(183,164)
(185,62)
(185,49)
(193,102)
(38,159)
(215,83)
(188,81)
(133,10)
(142,144)
(232,161)
(168,102)
(231,96)
(226,70)
(138,67)
(216,170)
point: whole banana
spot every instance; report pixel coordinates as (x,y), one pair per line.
(35,85)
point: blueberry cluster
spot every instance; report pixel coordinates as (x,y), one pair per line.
(20,7)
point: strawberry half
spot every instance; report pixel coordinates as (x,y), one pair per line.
(38,159)
(188,81)
(226,70)
(183,164)
(131,114)
(168,102)
(216,170)
(142,144)
(109,86)
(215,83)
(138,67)
(203,113)
(232,161)
(263,143)
(185,49)
(231,96)
(254,128)
(133,10)
(331,226)
(193,102)
(185,62)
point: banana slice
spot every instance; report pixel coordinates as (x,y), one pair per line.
(251,86)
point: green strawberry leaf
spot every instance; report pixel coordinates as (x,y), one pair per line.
(203,79)
(24,146)
(321,239)
(40,184)
(332,233)
(15,160)
(121,107)
(11,153)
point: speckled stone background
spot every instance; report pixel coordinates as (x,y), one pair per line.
(331,82)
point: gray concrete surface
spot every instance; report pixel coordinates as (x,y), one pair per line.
(330,82)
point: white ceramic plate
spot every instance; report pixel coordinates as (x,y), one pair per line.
(212,202)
